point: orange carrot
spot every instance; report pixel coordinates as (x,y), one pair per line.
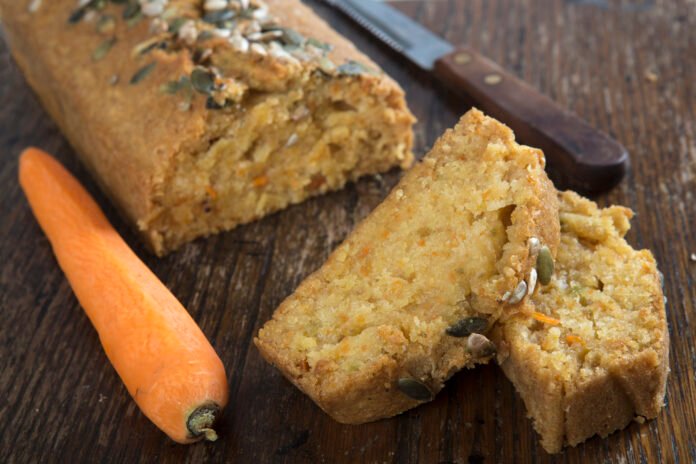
(161,355)
(541,317)
(570,339)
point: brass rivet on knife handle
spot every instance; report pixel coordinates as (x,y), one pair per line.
(462,58)
(493,79)
(578,155)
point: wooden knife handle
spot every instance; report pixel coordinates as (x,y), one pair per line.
(579,156)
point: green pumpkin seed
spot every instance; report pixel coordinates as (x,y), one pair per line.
(352,68)
(103,48)
(176,24)
(203,80)
(544,265)
(170,87)
(292,37)
(319,44)
(131,10)
(467,326)
(415,389)
(142,73)
(326,65)
(106,24)
(77,15)
(130,22)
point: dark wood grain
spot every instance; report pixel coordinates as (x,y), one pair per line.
(584,158)
(626,67)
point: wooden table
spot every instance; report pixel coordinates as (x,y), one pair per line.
(627,67)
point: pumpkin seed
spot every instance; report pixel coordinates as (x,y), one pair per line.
(531,281)
(352,68)
(479,346)
(319,44)
(176,24)
(518,293)
(77,15)
(414,388)
(170,87)
(203,80)
(34,6)
(103,48)
(544,265)
(134,20)
(211,104)
(131,10)
(106,24)
(216,17)
(292,37)
(467,326)
(142,73)
(205,35)
(326,65)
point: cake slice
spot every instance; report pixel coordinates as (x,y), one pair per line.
(197,116)
(594,355)
(405,301)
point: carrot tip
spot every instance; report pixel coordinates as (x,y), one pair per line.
(201,420)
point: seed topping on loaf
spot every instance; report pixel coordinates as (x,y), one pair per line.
(220,36)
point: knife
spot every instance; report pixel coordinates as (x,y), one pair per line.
(579,155)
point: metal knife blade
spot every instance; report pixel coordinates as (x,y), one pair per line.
(578,155)
(397,30)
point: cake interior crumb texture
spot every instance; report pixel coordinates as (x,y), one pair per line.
(595,356)
(447,242)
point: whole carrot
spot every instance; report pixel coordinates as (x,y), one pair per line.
(161,355)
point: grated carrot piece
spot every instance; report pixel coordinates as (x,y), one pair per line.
(211,192)
(574,339)
(260,181)
(541,317)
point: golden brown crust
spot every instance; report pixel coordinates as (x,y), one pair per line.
(605,361)
(136,139)
(446,244)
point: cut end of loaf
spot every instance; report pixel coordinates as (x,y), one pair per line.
(446,245)
(277,150)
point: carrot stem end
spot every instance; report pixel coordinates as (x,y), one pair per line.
(201,420)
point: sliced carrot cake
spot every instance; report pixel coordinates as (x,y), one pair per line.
(406,300)
(594,355)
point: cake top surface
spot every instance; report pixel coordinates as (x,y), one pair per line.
(230,47)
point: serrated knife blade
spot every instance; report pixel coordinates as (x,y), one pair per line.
(397,30)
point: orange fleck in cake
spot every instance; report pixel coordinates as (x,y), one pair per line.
(406,300)
(196,116)
(594,354)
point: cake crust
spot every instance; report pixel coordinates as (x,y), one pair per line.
(369,334)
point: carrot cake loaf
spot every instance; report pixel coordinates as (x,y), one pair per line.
(594,355)
(198,115)
(407,299)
